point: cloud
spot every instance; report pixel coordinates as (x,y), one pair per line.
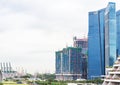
(32,30)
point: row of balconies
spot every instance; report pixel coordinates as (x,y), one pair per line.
(112,80)
(114,74)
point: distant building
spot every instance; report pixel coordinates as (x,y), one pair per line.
(69,63)
(7,70)
(82,43)
(101,40)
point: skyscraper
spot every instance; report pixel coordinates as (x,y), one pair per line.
(110,34)
(118,32)
(82,43)
(68,64)
(101,40)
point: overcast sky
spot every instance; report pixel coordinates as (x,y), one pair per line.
(32,30)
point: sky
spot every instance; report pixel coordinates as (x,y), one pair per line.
(32,30)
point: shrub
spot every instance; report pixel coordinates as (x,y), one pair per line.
(1,83)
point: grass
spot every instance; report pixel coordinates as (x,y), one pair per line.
(12,83)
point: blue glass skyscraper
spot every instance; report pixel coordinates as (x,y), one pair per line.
(110,34)
(96,65)
(118,32)
(59,61)
(101,40)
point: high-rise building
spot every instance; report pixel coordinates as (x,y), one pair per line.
(110,34)
(82,43)
(58,62)
(96,49)
(101,40)
(68,64)
(118,32)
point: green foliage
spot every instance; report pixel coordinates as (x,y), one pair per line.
(98,81)
(5,79)
(46,76)
(16,80)
(26,76)
(42,82)
(50,80)
(50,83)
(108,66)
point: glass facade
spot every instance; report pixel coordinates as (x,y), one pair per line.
(82,43)
(69,63)
(118,32)
(58,62)
(96,65)
(110,34)
(101,40)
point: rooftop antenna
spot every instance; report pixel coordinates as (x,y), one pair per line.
(84,36)
(74,38)
(66,45)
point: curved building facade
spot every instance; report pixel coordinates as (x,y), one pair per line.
(101,40)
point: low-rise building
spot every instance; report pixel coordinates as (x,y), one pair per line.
(113,74)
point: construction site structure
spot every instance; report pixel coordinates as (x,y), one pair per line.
(82,43)
(7,70)
(69,63)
